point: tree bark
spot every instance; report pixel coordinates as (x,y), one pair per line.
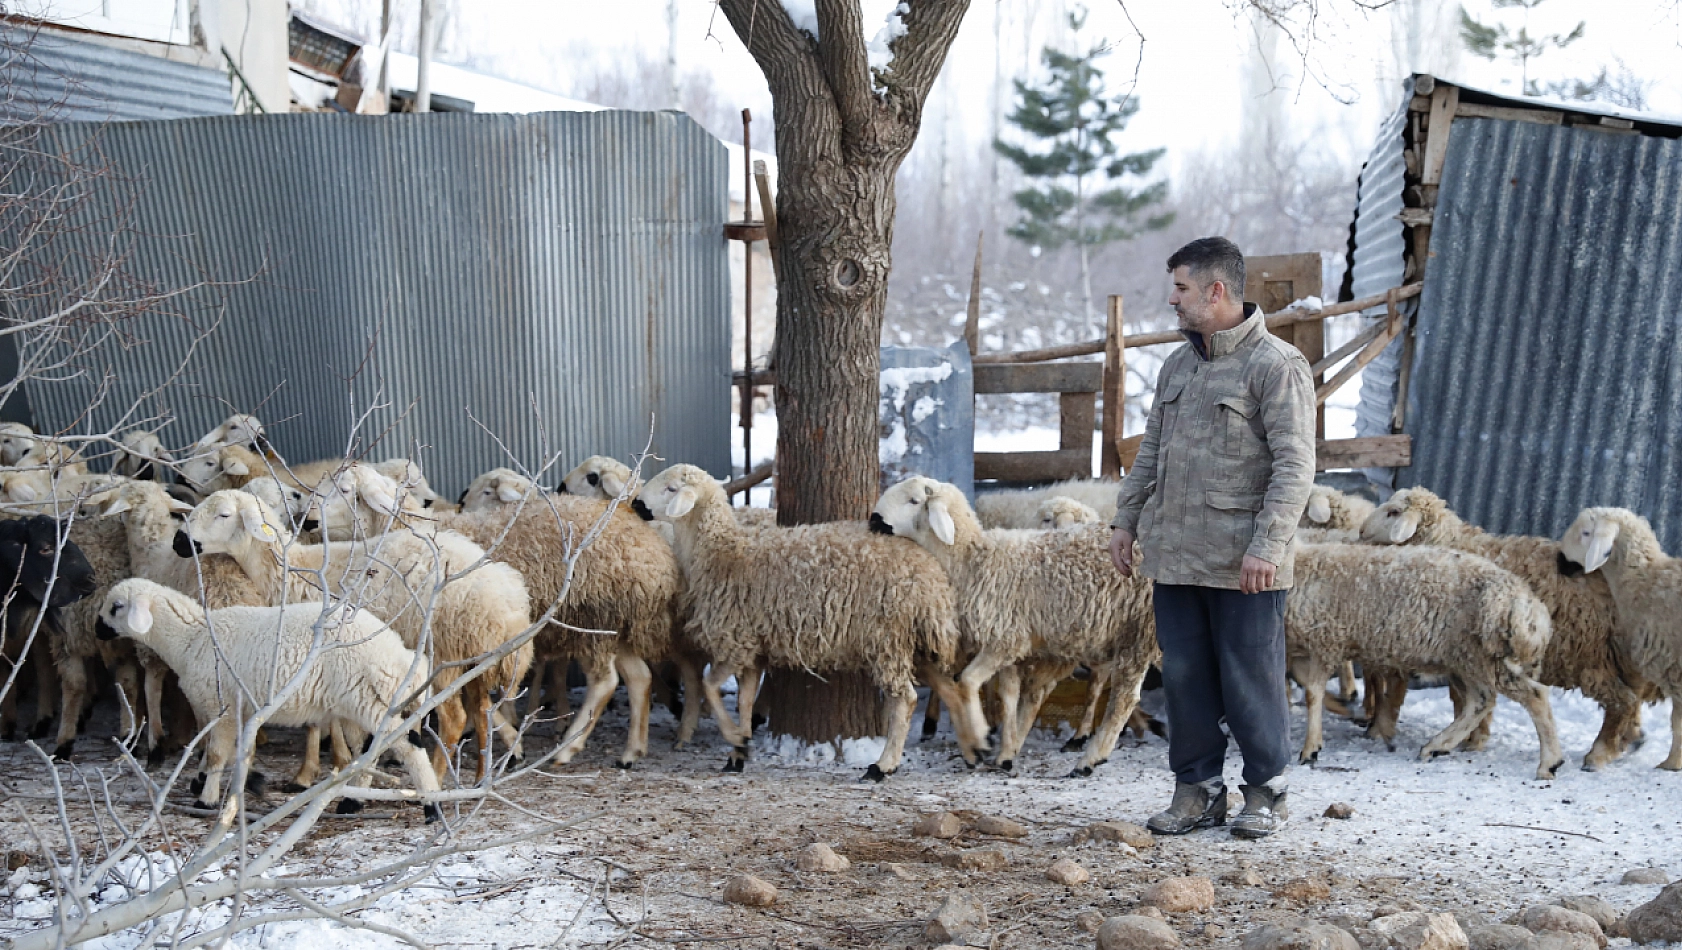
(841,136)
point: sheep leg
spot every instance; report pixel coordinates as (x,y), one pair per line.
(1533,696)
(508,734)
(154,685)
(639,681)
(898,705)
(693,699)
(420,770)
(46,690)
(310,768)
(1124,698)
(218,750)
(1094,696)
(717,675)
(931,714)
(1480,735)
(1042,679)
(1673,762)
(747,691)
(1386,691)
(1622,713)
(1311,673)
(73,695)
(943,691)
(1346,684)
(452,725)
(476,702)
(126,674)
(602,679)
(979,671)
(1008,682)
(1479,698)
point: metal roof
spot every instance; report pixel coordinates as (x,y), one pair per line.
(51,76)
(555,281)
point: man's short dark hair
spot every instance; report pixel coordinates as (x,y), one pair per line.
(1210,259)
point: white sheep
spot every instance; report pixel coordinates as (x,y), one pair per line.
(1583,652)
(233,661)
(1331,510)
(1020,508)
(221,467)
(1646,585)
(825,598)
(239,429)
(496,488)
(143,456)
(601,477)
(1418,608)
(16,439)
(1050,597)
(1061,511)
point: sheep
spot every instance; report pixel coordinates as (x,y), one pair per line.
(1331,510)
(239,429)
(600,477)
(52,492)
(256,652)
(626,582)
(1646,585)
(1052,597)
(401,576)
(222,467)
(1020,509)
(1416,608)
(16,439)
(1061,511)
(828,598)
(44,572)
(143,456)
(1583,653)
(495,488)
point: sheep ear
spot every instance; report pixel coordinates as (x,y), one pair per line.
(21,491)
(508,493)
(613,484)
(379,492)
(1404,527)
(140,614)
(1599,550)
(940,521)
(682,503)
(236,468)
(1319,509)
(175,504)
(116,505)
(251,514)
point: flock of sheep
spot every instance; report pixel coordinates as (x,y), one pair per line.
(353,586)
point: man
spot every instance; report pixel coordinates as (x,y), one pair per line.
(1214,498)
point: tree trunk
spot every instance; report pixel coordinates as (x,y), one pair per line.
(841,135)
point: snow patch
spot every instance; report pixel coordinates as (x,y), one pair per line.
(1307,303)
(789,752)
(804,13)
(895,385)
(881,56)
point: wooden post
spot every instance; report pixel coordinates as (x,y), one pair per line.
(1115,391)
(746,396)
(762,179)
(423,61)
(972,319)
(1273,283)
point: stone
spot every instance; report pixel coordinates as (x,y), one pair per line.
(1136,933)
(1658,919)
(821,857)
(1125,832)
(902,872)
(1650,877)
(1470,920)
(1340,811)
(1498,937)
(976,859)
(1545,917)
(1180,895)
(1602,912)
(1089,920)
(1000,827)
(1304,891)
(955,919)
(16,859)
(1154,913)
(1214,931)
(1067,873)
(1243,877)
(1561,940)
(749,890)
(942,825)
(1418,930)
(1298,933)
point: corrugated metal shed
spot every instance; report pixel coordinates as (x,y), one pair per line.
(52,76)
(1547,374)
(556,281)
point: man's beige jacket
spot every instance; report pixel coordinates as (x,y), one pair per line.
(1227,459)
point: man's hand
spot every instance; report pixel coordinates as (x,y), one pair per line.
(1254,577)
(1121,551)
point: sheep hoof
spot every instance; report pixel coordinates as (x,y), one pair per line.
(256,784)
(432,812)
(1671,766)
(737,760)
(196,785)
(1550,771)
(930,727)
(64,751)
(1084,771)
(293,788)
(1361,721)
(1008,765)
(42,729)
(347,806)
(875,774)
(1075,744)
(755,722)
(1390,745)
(1437,753)
(624,764)
(1309,758)
(1156,727)
(156,757)
(201,803)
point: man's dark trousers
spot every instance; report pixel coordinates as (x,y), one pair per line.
(1223,654)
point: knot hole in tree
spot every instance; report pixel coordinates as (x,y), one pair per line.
(847,273)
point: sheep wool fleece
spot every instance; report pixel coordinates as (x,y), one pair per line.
(1227,460)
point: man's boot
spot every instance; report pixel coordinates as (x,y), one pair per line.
(1264,810)
(1200,805)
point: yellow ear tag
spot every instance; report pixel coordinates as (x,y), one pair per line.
(268,532)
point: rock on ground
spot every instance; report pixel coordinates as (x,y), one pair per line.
(1547,917)
(942,825)
(749,890)
(1418,930)
(1243,877)
(821,857)
(1339,810)
(1136,933)
(1658,919)
(976,859)
(1561,940)
(1304,891)
(1000,827)
(1498,937)
(1067,873)
(1651,877)
(1602,913)
(1125,832)
(1089,921)
(1299,933)
(956,918)
(1180,895)
(1146,910)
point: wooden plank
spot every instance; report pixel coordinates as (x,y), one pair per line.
(1379,451)
(1039,378)
(1077,414)
(1342,353)
(760,473)
(1473,110)
(972,316)
(1392,327)
(1033,466)
(1444,100)
(1129,450)
(1115,391)
(1273,283)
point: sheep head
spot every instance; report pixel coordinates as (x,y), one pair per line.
(920,508)
(35,555)
(600,477)
(675,492)
(1397,520)
(1588,543)
(497,487)
(226,523)
(127,610)
(407,474)
(142,452)
(1060,511)
(289,501)
(1319,510)
(238,429)
(15,442)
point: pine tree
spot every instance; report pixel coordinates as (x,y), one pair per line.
(1076,124)
(1490,42)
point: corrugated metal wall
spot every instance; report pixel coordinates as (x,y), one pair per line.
(53,76)
(561,278)
(1548,369)
(1379,266)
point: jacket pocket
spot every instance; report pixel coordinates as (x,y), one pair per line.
(1237,520)
(1235,500)
(1169,400)
(1233,436)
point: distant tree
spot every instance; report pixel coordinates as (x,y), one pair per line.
(1497,41)
(1076,125)
(1621,88)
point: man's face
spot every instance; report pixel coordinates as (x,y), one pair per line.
(1193,303)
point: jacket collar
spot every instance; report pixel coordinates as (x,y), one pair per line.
(1226,342)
